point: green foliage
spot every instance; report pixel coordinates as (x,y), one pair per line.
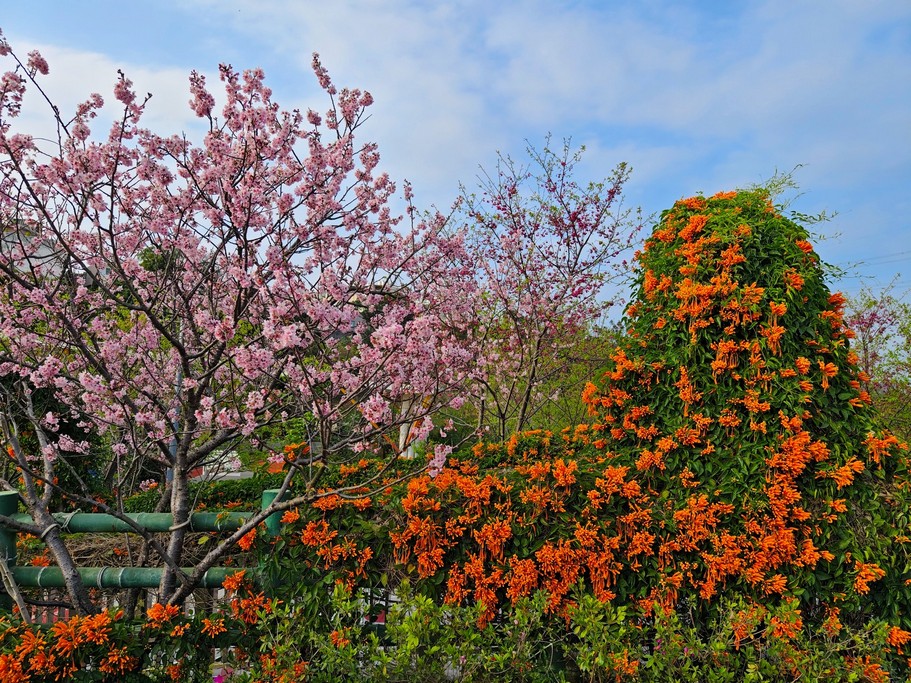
(744,643)
(732,512)
(425,641)
(422,641)
(732,448)
(739,363)
(105,648)
(244,494)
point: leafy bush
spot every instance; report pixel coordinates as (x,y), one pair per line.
(245,494)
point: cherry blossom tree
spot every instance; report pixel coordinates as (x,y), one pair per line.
(178,296)
(546,249)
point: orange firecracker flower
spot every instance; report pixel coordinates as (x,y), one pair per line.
(246,541)
(832,625)
(338,639)
(290,516)
(96,628)
(41,560)
(118,662)
(694,203)
(794,279)
(867,573)
(773,333)
(523,578)
(879,448)
(213,627)
(563,472)
(844,475)
(786,628)
(179,630)
(897,638)
(233,582)
(159,614)
(828,370)
(248,609)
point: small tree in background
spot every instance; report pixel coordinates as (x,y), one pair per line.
(882,323)
(545,248)
(179,297)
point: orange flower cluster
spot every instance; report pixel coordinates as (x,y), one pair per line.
(273,669)
(159,614)
(844,475)
(213,627)
(290,516)
(898,638)
(57,654)
(338,639)
(320,536)
(879,448)
(234,581)
(247,609)
(867,573)
(785,628)
(247,540)
(687,394)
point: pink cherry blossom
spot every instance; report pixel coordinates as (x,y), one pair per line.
(178,294)
(545,248)
(37,63)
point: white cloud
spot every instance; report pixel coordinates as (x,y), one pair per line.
(694,96)
(75,75)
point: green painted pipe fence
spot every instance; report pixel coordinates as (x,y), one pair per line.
(99,523)
(112,577)
(118,577)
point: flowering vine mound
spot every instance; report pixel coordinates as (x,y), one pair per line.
(731,449)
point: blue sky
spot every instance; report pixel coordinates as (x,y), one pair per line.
(695,96)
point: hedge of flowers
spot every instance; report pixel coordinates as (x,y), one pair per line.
(732,492)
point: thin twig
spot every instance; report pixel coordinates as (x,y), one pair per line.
(12,589)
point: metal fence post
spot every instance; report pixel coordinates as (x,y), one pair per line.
(9,505)
(273,521)
(273,526)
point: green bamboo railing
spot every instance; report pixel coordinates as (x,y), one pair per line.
(118,577)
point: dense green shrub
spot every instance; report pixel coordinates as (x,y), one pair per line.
(243,494)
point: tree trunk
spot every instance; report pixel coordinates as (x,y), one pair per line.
(529,386)
(75,588)
(180,509)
